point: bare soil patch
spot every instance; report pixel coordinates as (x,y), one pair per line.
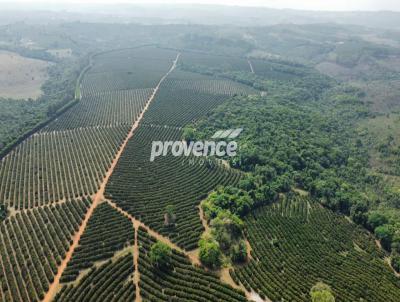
(21,77)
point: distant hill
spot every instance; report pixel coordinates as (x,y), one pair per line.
(197,14)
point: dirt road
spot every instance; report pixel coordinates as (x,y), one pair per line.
(99,196)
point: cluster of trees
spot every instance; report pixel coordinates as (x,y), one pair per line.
(39,54)
(227,199)
(18,117)
(224,209)
(168,275)
(386,229)
(292,81)
(59,89)
(288,144)
(209,251)
(301,134)
(356,51)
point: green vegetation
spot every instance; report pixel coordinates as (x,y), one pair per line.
(303,132)
(144,189)
(113,108)
(321,292)
(81,143)
(380,134)
(170,216)
(68,164)
(229,199)
(239,252)
(32,246)
(107,232)
(112,281)
(135,68)
(286,144)
(20,118)
(186,96)
(292,139)
(160,254)
(213,62)
(223,210)
(184,282)
(352,52)
(297,243)
(395,262)
(209,251)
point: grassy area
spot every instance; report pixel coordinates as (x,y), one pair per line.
(382,136)
(21,77)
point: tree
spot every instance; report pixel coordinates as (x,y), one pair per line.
(267,173)
(375,220)
(396,241)
(189,134)
(160,254)
(169,217)
(321,292)
(228,222)
(239,252)
(248,183)
(385,234)
(358,213)
(210,253)
(395,261)
(283,183)
(235,200)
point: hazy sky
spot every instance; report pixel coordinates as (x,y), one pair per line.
(295,4)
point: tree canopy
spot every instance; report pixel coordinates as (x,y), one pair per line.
(210,253)
(321,293)
(160,254)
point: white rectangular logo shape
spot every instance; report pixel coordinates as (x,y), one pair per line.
(235,133)
(226,133)
(217,134)
(230,133)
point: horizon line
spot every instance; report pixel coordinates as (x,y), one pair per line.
(51,5)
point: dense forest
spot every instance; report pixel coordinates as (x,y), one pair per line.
(303,135)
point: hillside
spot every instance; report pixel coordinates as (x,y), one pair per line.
(204,163)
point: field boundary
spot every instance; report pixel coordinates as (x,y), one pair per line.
(11,146)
